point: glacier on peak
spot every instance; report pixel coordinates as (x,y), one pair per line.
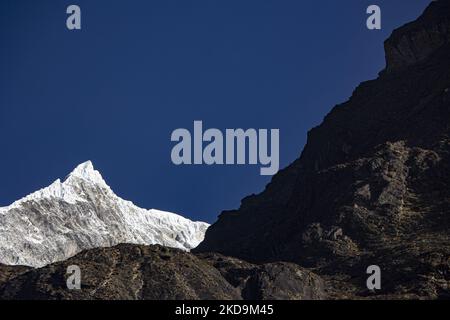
(57,222)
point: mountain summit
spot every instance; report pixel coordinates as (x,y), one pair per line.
(81,213)
(86,171)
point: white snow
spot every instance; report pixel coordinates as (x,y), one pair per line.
(87,172)
(83,212)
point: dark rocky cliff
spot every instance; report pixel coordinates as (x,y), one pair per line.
(372,185)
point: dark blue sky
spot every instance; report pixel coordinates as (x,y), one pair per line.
(114,91)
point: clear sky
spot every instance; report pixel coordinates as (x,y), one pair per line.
(114,91)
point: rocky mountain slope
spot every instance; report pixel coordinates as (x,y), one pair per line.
(154,272)
(372,185)
(81,213)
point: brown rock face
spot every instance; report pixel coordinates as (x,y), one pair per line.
(372,185)
(125,272)
(130,272)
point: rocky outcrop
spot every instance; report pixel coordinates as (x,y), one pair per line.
(157,273)
(416,41)
(372,185)
(271,281)
(124,272)
(7,273)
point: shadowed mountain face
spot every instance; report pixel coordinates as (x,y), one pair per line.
(372,185)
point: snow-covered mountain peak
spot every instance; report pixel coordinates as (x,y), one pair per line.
(58,221)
